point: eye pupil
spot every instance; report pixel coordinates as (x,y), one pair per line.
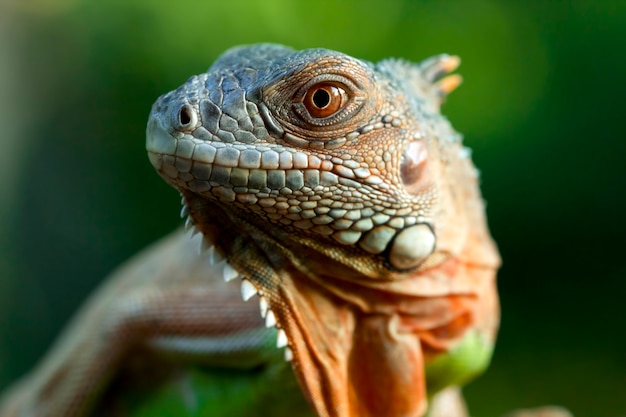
(321,98)
(325,99)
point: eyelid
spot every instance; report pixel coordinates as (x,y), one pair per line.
(285,97)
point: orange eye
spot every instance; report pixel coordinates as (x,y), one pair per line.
(324,100)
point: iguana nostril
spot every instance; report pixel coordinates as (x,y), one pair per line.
(186,118)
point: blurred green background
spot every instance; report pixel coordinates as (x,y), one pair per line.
(542,107)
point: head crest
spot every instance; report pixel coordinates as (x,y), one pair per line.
(435,70)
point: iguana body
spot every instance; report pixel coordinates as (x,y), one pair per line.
(343,202)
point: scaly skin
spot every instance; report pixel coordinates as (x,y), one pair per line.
(360,225)
(344,200)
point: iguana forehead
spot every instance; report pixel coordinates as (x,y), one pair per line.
(239,135)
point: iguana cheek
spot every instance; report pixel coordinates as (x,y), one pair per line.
(411,246)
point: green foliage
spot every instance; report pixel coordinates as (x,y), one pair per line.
(462,364)
(178,391)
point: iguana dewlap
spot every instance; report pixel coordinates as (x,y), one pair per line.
(341,200)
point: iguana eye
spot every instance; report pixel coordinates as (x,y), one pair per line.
(325,99)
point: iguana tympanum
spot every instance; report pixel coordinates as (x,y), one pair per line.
(331,191)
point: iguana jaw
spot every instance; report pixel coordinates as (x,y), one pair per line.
(352,323)
(347,336)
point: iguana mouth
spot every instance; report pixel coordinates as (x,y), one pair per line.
(281,186)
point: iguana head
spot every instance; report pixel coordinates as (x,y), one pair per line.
(344,199)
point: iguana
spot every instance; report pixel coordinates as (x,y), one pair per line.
(333,192)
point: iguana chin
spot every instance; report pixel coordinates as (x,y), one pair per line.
(334,191)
